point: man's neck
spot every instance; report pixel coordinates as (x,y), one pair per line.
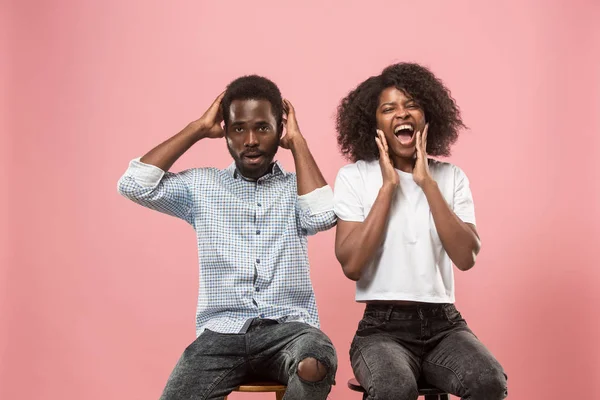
(268,171)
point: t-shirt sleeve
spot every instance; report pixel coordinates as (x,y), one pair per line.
(347,203)
(463,198)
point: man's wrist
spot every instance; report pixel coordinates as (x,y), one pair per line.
(196,130)
(298,143)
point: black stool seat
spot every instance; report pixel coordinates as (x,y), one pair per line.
(430,392)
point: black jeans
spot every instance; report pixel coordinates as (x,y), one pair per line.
(397,346)
(216,363)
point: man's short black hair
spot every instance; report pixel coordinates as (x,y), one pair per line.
(253,87)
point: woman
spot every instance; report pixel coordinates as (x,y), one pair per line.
(403,220)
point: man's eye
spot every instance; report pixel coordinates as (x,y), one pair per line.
(238,130)
(264,128)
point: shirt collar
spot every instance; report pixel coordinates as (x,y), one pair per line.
(277,170)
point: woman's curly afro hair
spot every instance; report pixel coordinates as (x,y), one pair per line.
(356,124)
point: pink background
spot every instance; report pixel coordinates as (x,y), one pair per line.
(97,295)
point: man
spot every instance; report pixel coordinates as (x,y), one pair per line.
(256,315)
(404,219)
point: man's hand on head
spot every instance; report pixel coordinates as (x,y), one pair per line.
(292,130)
(209,124)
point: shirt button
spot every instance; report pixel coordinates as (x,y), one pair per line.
(258,261)
(257,289)
(258,231)
(258,204)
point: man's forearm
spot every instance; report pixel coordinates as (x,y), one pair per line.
(307,171)
(459,240)
(165,154)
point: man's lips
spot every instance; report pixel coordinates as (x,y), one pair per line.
(253,157)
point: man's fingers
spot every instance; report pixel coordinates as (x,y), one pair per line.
(214,111)
(217,101)
(290,114)
(288,107)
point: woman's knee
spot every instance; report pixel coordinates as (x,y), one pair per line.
(489,384)
(393,389)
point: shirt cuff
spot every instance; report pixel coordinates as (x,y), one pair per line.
(318,201)
(145,175)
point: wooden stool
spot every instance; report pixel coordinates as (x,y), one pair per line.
(262,387)
(428,391)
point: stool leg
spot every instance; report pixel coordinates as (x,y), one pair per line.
(279,395)
(444,397)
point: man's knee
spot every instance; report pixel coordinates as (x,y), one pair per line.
(489,384)
(312,370)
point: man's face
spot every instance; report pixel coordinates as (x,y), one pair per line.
(252,136)
(400,118)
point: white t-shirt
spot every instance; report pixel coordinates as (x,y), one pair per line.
(412,264)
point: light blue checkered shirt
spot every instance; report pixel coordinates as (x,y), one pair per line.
(252,239)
